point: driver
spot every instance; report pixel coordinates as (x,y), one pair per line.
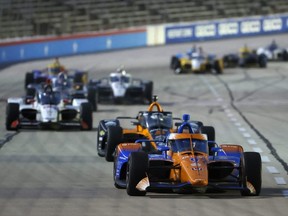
(56,67)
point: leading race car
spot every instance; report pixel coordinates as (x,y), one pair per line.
(48,110)
(273,52)
(183,162)
(195,61)
(245,58)
(120,87)
(150,124)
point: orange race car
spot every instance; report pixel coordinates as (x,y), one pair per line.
(155,123)
(186,161)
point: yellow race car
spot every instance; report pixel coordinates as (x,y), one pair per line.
(196,62)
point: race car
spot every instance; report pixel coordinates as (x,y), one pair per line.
(196,62)
(73,82)
(273,52)
(245,58)
(48,110)
(183,163)
(150,124)
(120,87)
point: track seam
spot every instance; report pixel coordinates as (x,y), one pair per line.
(262,137)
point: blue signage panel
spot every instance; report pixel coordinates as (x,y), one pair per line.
(226,28)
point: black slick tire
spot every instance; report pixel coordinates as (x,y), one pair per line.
(253,173)
(12,114)
(86,116)
(114,137)
(136,171)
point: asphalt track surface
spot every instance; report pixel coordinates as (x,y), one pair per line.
(51,173)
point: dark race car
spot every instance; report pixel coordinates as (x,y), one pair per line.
(245,58)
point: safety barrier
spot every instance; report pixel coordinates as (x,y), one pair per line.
(49,47)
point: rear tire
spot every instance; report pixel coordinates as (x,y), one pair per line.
(92,98)
(252,172)
(100,144)
(12,114)
(136,171)
(86,116)
(29,79)
(149,91)
(210,132)
(114,137)
(218,67)
(262,60)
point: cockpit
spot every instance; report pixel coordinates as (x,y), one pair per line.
(155,120)
(50,98)
(181,145)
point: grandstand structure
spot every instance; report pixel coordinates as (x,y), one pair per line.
(26,18)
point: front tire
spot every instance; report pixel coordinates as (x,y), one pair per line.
(86,116)
(92,98)
(100,144)
(114,137)
(12,115)
(253,174)
(137,167)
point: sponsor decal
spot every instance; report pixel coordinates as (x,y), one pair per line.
(208,30)
(272,24)
(231,28)
(248,27)
(185,32)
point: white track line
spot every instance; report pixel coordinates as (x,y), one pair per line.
(280,180)
(272,170)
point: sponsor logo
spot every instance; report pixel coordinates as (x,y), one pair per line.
(205,30)
(180,33)
(231,28)
(253,26)
(272,24)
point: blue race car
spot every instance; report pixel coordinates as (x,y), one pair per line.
(184,162)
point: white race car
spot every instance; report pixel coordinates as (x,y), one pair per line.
(120,87)
(273,52)
(48,110)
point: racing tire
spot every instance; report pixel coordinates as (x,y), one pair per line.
(137,168)
(29,79)
(253,173)
(100,150)
(114,137)
(92,98)
(174,62)
(217,67)
(210,132)
(12,114)
(262,61)
(149,92)
(86,114)
(285,55)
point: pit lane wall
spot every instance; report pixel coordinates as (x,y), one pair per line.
(49,47)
